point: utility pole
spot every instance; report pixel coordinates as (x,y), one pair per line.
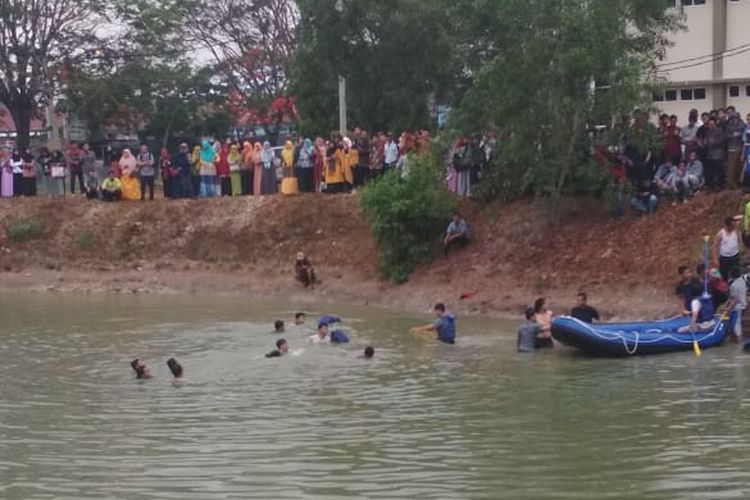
(342,105)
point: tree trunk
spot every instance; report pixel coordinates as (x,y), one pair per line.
(21,114)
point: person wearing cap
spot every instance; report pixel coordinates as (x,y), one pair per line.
(111,187)
(304,271)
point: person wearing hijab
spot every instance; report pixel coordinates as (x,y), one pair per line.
(6,175)
(235,159)
(222,170)
(217,157)
(289,180)
(195,162)
(28,174)
(182,164)
(339,179)
(304,167)
(257,168)
(45,161)
(129,168)
(246,169)
(268,182)
(207,170)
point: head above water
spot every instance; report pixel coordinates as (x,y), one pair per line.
(175,368)
(322,330)
(282,346)
(140,368)
(299,318)
(278,326)
(369,352)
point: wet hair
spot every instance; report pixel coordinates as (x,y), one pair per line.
(280,343)
(299,315)
(583,296)
(278,325)
(175,367)
(439,307)
(529,312)
(681,270)
(139,369)
(735,273)
(538,304)
(728,221)
(369,351)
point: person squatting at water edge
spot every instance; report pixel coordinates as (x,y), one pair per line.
(444,325)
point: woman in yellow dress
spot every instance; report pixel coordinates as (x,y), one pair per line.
(128,166)
(289,183)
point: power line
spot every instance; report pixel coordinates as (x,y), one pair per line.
(701,63)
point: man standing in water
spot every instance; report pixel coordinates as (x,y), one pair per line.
(444,325)
(528,331)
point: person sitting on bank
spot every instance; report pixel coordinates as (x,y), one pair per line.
(111,188)
(457,233)
(543,317)
(278,326)
(444,325)
(140,369)
(582,311)
(281,348)
(528,331)
(304,271)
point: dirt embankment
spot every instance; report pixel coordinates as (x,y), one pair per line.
(247,246)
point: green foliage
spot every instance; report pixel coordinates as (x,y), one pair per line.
(395,54)
(407,216)
(24,230)
(552,72)
(85,239)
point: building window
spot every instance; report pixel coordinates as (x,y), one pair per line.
(699,94)
(747,90)
(670,95)
(659,96)
(693,2)
(686,94)
(734,91)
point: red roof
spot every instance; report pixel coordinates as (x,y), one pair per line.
(7,125)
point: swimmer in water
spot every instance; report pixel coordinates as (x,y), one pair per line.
(278,326)
(281,348)
(368,354)
(140,368)
(321,336)
(299,318)
(176,369)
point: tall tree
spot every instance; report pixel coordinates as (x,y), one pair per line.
(396,55)
(549,72)
(37,39)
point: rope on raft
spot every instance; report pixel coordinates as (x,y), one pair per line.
(623,336)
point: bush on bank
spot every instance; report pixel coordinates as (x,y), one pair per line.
(407,216)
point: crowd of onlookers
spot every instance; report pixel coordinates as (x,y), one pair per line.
(212,168)
(675,162)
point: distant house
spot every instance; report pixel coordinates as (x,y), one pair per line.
(66,127)
(8,128)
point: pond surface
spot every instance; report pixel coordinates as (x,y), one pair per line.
(419,421)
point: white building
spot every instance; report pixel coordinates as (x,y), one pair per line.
(709,65)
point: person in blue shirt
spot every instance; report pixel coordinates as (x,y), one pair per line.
(457,233)
(444,325)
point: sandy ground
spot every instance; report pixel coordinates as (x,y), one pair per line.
(246,246)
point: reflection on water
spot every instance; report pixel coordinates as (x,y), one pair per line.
(418,421)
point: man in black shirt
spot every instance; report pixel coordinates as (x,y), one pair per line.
(281,348)
(584,312)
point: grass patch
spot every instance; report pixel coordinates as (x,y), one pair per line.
(24,230)
(85,239)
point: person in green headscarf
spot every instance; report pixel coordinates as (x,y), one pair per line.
(207,170)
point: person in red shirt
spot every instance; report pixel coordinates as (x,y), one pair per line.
(670,141)
(222,170)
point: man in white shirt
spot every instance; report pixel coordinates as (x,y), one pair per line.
(321,337)
(390,153)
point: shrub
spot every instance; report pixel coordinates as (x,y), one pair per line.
(407,216)
(24,230)
(84,239)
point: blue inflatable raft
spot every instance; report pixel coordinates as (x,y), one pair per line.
(634,339)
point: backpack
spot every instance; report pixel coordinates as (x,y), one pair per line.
(338,337)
